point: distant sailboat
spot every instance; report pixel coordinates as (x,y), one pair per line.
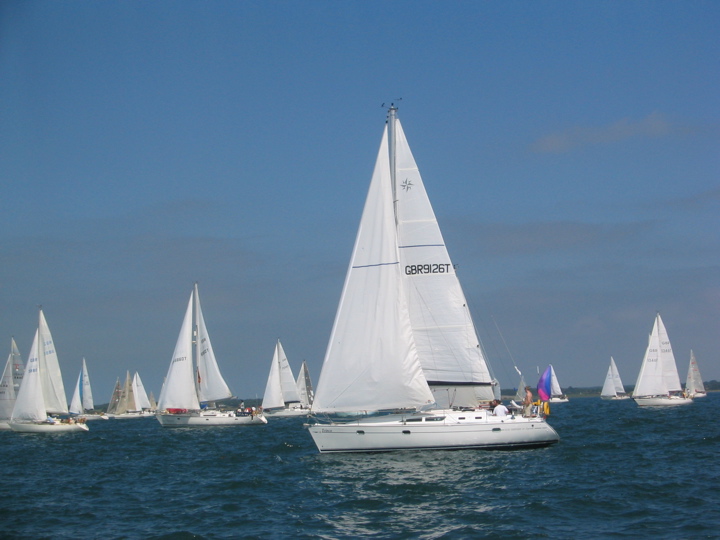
(613,387)
(658,383)
(281,396)
(132,401)
(694,386)
(42,391)
(304,386)
(556,393)
(404,368)
(82,403)
(187,386)
(10,384)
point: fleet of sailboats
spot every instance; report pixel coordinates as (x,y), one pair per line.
(282,394)
(194,382)
(42,393)
(404,368)
(658,383)
(130,400)
(613,387)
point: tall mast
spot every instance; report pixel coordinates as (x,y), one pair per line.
(392,117)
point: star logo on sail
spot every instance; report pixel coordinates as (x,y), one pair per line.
(406,185)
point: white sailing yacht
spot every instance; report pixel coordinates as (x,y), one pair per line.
(404,368)
(557,395)
(658,383)
(613,387)
(10,384)
(188,390)
(42,391)
(82,403)
(281,396)
(694,386)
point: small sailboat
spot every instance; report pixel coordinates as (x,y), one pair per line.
(305,387)
(193,381)
(10,384)
(82,403)
(694,386)
(132,400)
(557,395)
(658,383)
(281,396)
(42,392)
(404,368)
(613,387)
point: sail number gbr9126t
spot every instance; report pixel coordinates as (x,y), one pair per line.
(414,269)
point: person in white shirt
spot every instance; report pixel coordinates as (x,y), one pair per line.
(500,409)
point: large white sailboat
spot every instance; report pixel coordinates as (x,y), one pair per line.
(10,384)
(192,385)
(694,386)
(613,387)
(42,392)
(658,383)
(281,396)
(82,403)
(404,368)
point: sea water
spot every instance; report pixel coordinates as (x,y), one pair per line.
(618,471)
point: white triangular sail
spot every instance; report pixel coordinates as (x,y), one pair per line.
(694,383)
(554,383)
(82,399)
(445,336)
(30,403)
(11,374)
(115,398)
(210,383)
(613,386)
(304,386)
(658,375)
(371,362)
(52,383)
(141,397)
(280,388)
(178,391)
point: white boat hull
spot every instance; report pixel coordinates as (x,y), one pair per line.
(699,395)
(614,398)
(661,401)
(439,430)
(559,400)
(4,426)
(286,412)
(207,419)
(131,415)
(44,427)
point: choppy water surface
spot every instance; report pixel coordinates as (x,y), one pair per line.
(619,471)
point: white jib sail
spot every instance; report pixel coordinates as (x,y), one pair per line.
(445,336)
(76,402)
(30,404)
(287,380)
(273,396)
(670,372)
(210,383)
(554,384)
(612,385)
(141,397)
(371,362)
(178,391)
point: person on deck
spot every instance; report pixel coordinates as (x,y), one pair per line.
(500,409)
(527,402)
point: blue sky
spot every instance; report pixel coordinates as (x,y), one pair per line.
(570,151)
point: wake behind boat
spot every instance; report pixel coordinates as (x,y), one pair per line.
(42,392)
(186,386)
(404,368)
(658,383)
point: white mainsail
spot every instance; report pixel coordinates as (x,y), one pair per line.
(694,384)
(444,333)
(30,403)
(554,383)
(304,386)
(82,399)
(371,362)
(52,383)
(613,386)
